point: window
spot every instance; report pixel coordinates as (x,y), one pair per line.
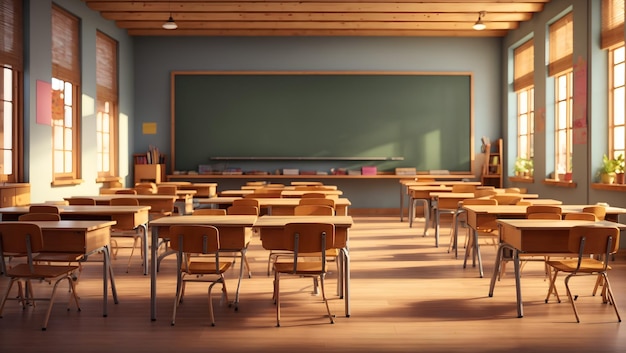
(106,105)
(613,40)
(11,82)
(523,57)
(560,68)
(65,97)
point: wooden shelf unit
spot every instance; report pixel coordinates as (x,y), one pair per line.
(492,164)
(144,172)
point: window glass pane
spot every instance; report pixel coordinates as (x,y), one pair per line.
(106,141)
(105,165)
(618,55)
(7,162)
(58,138)
(562,115)
(618,75)
(99,142)
(523,124)
(68,161)
(618,138)
(105,123)
(68,93)
(7,126)
(523,147)
(618,106)
(562,87)
(7,79)
(68,139)
(68,117)
(523,102)
(58,161)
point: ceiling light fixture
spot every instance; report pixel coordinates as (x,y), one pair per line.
(479,25)
(170,23)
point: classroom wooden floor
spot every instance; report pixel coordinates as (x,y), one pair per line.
(407,296)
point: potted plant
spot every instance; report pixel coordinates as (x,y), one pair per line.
(520,166)
(607,171)
(619,169)
(528,163)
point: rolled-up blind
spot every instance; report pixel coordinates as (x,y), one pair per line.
(612,23)
(11,28)
(524,57)
(561,45)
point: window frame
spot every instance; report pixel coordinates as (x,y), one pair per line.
(71,75)
(107,95)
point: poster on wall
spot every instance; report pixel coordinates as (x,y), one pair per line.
(579,110)
(44,103)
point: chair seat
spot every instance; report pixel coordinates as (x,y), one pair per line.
(202,268)
(586,266)
(304,268)
(40,271)
(58,257)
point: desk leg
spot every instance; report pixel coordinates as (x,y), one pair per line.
(437,227)
(105,282)
(518,289)
(401,202)
(496,268)
(111,275)
(340,275)
(241,263)
(153,266)
(346,279)
(144,244)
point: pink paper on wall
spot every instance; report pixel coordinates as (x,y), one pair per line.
(44,103)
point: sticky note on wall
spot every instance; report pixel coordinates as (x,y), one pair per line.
(149,128)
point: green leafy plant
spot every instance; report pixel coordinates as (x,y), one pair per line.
(619,163)
(609,165)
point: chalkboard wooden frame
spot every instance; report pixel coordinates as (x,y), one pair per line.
(459,138)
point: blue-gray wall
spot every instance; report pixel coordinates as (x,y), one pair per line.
(38,66)
(157,57)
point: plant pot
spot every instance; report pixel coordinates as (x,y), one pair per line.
(607,178)
(619,178)
(568,176)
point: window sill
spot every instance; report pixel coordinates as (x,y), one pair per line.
(559,183)
(610,187)
(67,182)
(108,179)
(520,179)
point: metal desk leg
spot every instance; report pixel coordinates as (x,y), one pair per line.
(144,244)
(518,288)
(153,271)
(241,263)
(402,191)
(346,279)
(496,270)
(436,227)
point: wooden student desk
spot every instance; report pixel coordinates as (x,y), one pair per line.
(285,205)
(82,238)
(125,217)
(414,181)
(271,229)
(201,189)
(233,238)
(487,215)
(534,236)
(155,201)
(421,193)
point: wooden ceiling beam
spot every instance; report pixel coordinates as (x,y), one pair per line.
(317,33)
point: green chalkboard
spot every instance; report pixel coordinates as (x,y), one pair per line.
(426,119)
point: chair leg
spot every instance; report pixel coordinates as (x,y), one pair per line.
(52,296)
(6,295)
(330,316)
(609,292)
(569,296)
(552,287)
(277,296)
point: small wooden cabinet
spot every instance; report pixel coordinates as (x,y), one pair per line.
(492,164)
(14,194)
(144,172)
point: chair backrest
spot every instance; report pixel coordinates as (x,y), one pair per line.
(267,193)
(479,202)
(543,209)
(504,199)
(512,191)
(305,237)
(167,189)
(123,201)
(199,239)
(484,193)
(599,211)
(314,195)
(463,188)
(209,212)
(43,209)
(592,239)
(273,186)
(524,203)
(21,238)
(317,201)
(246,202)
(313,210)
(39,217)
(581,216)
(126,191)
(87,201)
(256,183)
(243,210)
(146,188)
(540,215)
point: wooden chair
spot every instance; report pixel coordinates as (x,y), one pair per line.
(242,210)
(246,202)
(146,188)
(504,199)
(209,212)
(313,210)
(51,257)
(599,211)
(484,193)
(581,216)
(512,190)
(187,241)
(26,238)
(540,215)
(43,209)
(463,188)
(543,209)
(317,201)
(585,241)
(540,212)
(304,238)
(117,232)
(313,195)
(86,201)
(126,191)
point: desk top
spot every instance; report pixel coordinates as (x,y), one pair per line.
(82,209)
(71,225)
(521,209)
(270,201)
(550,224)
(413,182)
(470,195)
(280,221)
(108,197)
(227,220)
